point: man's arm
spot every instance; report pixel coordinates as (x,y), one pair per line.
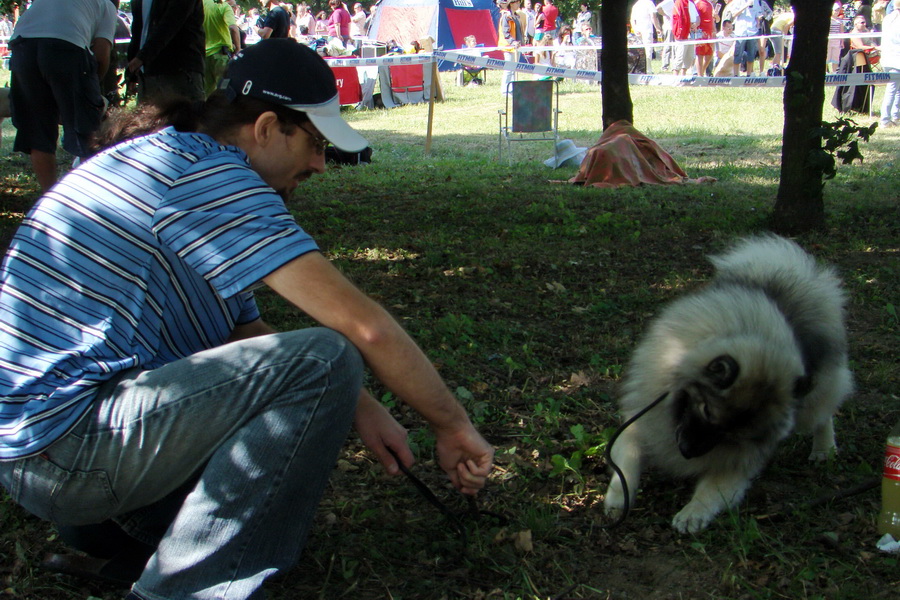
(505,32)
(104,35)
(235,37)
(101,48)
(738,6)
(231,22)
(656,19)
(316,287)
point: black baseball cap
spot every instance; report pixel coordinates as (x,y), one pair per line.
(286,72)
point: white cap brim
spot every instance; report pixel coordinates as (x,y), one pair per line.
(327,119)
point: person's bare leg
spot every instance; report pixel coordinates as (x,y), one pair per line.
(44,165)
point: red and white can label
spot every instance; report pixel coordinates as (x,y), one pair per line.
(892,462)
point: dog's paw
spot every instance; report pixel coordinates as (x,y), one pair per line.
(822,455)
(614,502)
(693,518)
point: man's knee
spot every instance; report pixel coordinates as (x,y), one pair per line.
(350,357)
(345,364)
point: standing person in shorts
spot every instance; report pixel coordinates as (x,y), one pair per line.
(745,17)
(685,20)
(707,31)
(60,51)
(551,14)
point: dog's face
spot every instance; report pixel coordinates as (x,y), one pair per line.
(732,398)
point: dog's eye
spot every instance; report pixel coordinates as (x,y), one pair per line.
(722,371)
(703,409)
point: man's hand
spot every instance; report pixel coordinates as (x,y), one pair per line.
(379,431)
(466,457)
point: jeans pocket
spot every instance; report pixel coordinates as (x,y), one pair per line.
(62,496)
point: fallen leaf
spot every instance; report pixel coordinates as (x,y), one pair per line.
(579,379)
(522,541)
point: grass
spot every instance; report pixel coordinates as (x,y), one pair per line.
(528,295)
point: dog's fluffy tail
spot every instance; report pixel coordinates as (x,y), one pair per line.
(769,259)
(757,258)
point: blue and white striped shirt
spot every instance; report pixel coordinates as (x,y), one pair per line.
(142,256)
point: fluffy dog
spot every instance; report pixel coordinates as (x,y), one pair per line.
(758,351)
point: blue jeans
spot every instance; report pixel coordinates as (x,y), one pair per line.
(219,458)
(890,106)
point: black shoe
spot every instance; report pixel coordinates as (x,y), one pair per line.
(112,555)
(121,571)
(103,540)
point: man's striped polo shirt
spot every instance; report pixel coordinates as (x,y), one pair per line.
(142,256)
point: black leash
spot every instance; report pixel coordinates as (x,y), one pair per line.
(455,518)
(608,456)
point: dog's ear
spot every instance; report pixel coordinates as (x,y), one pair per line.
(722,371)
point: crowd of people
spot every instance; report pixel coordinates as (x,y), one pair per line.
(860,50)
(674,33)
(738,38)
(684,37)
(673,29)
(551,39)
(346,23)
(677,26)
(341,28)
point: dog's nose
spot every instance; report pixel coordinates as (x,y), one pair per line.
(694,441)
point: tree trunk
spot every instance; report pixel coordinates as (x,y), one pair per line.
(616,97)
(799,205)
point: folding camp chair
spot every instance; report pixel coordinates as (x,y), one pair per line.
(472,74)
(531,114)
(404,84)
(469,75)
(406,79)
(347,80)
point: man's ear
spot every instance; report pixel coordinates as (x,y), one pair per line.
(267,124)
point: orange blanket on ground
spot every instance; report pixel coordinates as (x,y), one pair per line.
(625,156)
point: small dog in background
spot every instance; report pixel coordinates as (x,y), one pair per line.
(759,351)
